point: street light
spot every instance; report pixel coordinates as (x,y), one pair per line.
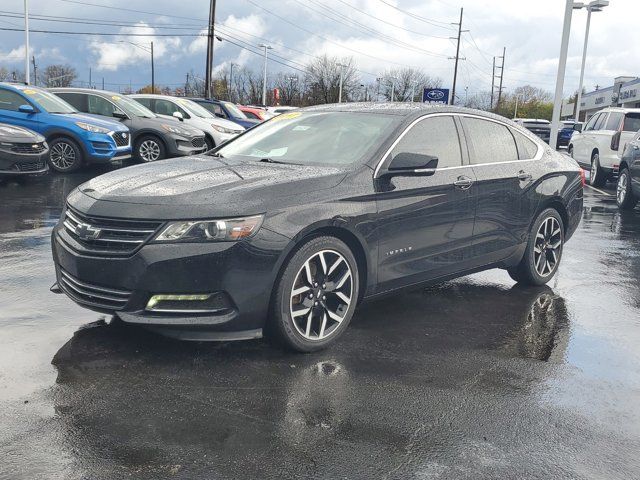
(264,74)
(562,65)
(594,6)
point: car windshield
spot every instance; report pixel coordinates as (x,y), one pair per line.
(235,111)
(196,109)
(314,138)
(48,101)
(131,107)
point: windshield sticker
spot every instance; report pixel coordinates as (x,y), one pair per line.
(115,97)
(287,116)
(29,92)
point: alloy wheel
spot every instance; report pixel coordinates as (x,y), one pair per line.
(594,169)
(548,246)
(62,156)
(149,151)
(321,294)
(621,190)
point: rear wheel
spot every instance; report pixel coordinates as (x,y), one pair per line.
(597,176)
(149,149)
(625,198)
(315,296)
(544,250)
(64,155)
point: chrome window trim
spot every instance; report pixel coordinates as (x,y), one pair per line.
(527,134)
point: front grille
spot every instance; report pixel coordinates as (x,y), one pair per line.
(107,298)
(29,148)
(29,166)
(121,138)
(198,142)
(107,236)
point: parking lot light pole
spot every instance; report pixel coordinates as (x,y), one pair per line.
(26,42)
(562,66)
(340,87)
(594,6)
(264,73)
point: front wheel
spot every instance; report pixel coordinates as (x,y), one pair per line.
(210,143)
(316,295)
(625,198)
(544,250)
(149,149)
(597,176)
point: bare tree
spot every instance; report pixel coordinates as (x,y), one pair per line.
(58,76)
(406,82)
(480,101)
(289,86)
(323,80)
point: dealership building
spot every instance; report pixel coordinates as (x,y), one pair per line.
(625,92)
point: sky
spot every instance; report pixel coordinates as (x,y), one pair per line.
(377,34)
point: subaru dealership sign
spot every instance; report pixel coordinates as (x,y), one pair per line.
(435,95)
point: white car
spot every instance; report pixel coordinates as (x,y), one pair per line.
(216,130)
(598,145)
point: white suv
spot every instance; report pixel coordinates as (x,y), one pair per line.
(601,142)
(216,130)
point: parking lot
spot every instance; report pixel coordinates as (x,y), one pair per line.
(474,378)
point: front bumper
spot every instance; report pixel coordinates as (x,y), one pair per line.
(24,164)
(181,146)
(244,272)
(101,148)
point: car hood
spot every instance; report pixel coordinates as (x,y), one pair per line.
(93,120)
(200,186)
(224,123)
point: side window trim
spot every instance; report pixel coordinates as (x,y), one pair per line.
(387,155)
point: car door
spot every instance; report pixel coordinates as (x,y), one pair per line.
(10,103)
(600,137)
(582,141)
(425,222)
(503,179)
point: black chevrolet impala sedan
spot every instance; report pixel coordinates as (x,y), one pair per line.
(285,229)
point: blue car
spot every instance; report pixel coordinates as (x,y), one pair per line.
(228,110)
(565,132)
(74,139)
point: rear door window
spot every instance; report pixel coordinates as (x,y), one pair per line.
(614,121)
(631,122)
(490,141)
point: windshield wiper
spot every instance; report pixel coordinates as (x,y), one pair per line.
(217,155)
(271,160)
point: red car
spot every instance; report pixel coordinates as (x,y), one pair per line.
(257,113)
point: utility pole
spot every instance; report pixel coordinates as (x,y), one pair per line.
(504,51)
(562,65)
(153,73)
(493,81)
(393,89)
(35,71)
(102,83)
(457,57)
(230,89)
(26,42)
(186,86)
(90,77)
(378,79)
(264,73)
(340,88)
(210,36)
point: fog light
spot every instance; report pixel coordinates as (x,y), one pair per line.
(185,303)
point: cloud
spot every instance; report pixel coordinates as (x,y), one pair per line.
(15,55)
(126,50)
(233,26)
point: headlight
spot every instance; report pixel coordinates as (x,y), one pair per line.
(178,130)
(224,130)
(92,128)
(210,230)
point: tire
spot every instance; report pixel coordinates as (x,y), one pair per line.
(210,143)
(65,155)
(570,151)
(149,148)
(597,176)
(531,270)
(625,198)
(324,272)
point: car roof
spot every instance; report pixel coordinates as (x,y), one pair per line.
(619,109)
(85,90)
(204,100)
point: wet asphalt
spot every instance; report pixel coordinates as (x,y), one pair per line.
(474,378)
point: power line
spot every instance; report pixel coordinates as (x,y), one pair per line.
(445,25)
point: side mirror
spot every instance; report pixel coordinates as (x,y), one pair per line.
(120,114)
(26,109)
(179,116)
(413,163)
(577,127)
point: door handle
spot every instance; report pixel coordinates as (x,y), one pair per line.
(463,182)
(522,175)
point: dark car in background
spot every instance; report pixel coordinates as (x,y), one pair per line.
(565,132)
(152,138)
(227,110)
(22,151)
(628,187)
(539,127)
(74,139)
(286,228)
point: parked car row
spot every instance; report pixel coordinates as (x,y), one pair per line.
(77,126)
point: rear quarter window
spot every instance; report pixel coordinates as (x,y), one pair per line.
(526,148)
(631,122)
